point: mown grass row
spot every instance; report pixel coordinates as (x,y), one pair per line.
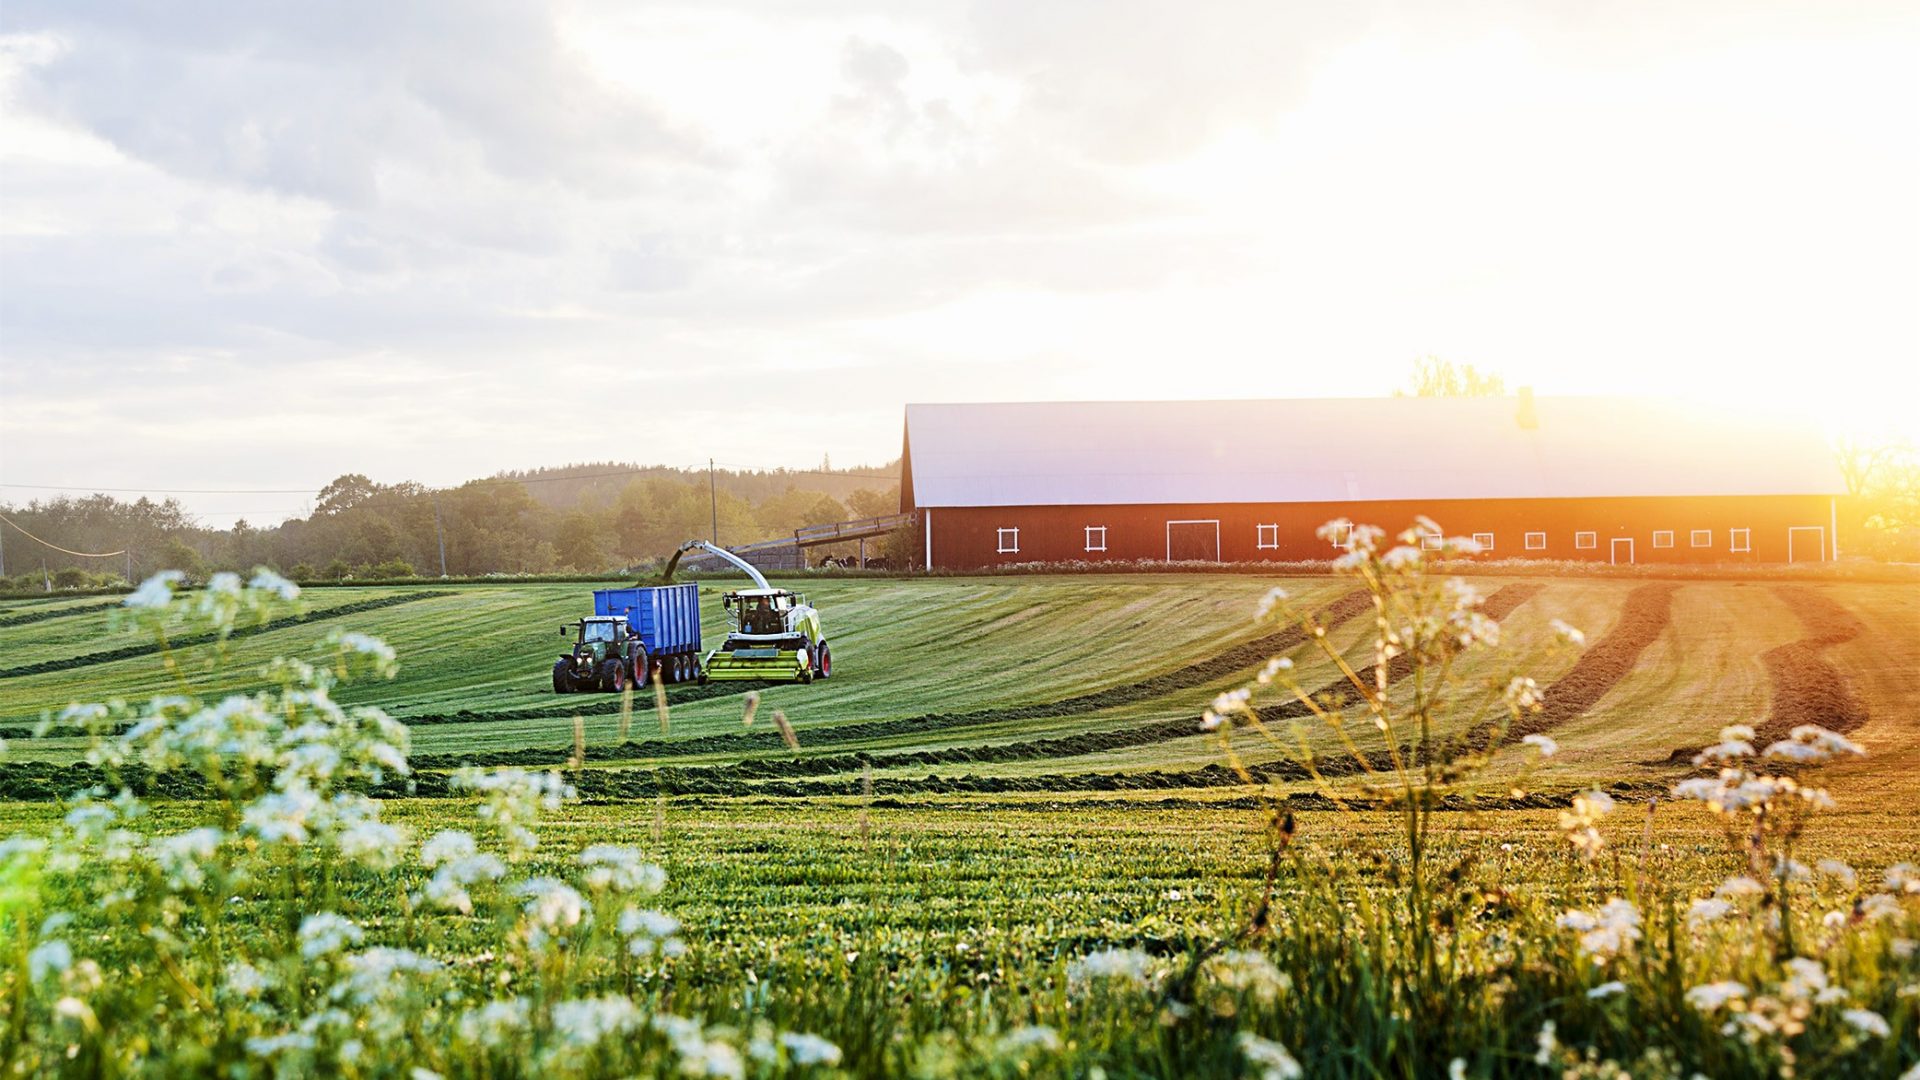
(69,663)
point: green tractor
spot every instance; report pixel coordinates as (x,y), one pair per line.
(776,634)
(605,657)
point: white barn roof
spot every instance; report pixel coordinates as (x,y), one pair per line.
(1351,449)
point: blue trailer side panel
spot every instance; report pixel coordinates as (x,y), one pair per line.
(665,617)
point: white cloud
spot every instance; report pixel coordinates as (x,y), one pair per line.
(433,241)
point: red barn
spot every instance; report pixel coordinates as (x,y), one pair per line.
(1607,479)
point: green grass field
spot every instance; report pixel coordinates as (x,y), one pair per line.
(960,665)
(1005,775)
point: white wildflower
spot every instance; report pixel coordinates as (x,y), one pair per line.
(1739,886)
(49,958)
(1811,742)
(1457,1069)
(1271,1058)
(1126,965)
(1713,996)
(1546,1043)
(1542,743)
(281,816)
(553,905)
(648,932)
(156,591)
(372,974)
(621,869)
(1274,597)
(268,581)
(1567,634)
(373,844)
(1903,878)
(244,980)
(1834,868)
(1705,911)
(183,858)
(1249,971)
(447,845)
(1272,669)
(275,1045)
(496,1023)
(1607,933)
(325,933)
(1029,1037)
(1867,1022)
(805,1049)
(1523,694)
(1607,989)
(585,1022)
(1879,906)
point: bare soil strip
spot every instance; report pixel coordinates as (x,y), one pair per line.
(1643,618)
(1806,688)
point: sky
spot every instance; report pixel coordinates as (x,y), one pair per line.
(258,246)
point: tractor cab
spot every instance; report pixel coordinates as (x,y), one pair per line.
(763,612)
(602,629)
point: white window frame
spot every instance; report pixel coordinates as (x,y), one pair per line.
(1542,541)
(1102,530)
(1658,533)
(1432,541)
(1701,538)
(1342,536)
(1266,537)
(1486,544)
(1740,540)
(1001,538)
(1586,541)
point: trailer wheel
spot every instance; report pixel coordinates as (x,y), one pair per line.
(686,668)
(826,661)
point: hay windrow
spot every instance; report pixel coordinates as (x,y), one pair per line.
(1647,613)
(1807,689)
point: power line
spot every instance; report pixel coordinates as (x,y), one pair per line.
(57,547)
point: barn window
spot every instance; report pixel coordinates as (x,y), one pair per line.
(1662,538)
(1431,540)
(1584,540)
(1703,538)
(1484,541)
(1266,536)
(1536,541)
(1742,539)
(1341,534)
(1009,541)
(1096,538)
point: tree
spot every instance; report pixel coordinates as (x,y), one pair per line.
(868,503)
(580,542)
(1434,377)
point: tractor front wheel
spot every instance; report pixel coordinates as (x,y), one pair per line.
(562,678)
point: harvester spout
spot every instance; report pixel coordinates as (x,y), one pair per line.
(701,545)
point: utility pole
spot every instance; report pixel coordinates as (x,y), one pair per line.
(440,535)
(713,501)
(3,553)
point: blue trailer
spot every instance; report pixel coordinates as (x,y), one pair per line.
(633,636)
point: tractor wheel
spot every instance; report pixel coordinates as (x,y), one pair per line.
(825,661)
(562,678)
(608,672)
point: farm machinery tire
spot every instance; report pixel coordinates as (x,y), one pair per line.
(824,662)
(562,678)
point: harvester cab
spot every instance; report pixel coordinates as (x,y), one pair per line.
(605,656)
(775,634)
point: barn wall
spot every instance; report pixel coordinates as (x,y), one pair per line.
(967,538)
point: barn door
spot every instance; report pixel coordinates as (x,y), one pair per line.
(1622,551)
(1193,541)
(1806,542)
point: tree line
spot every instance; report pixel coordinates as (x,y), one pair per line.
(591,518)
